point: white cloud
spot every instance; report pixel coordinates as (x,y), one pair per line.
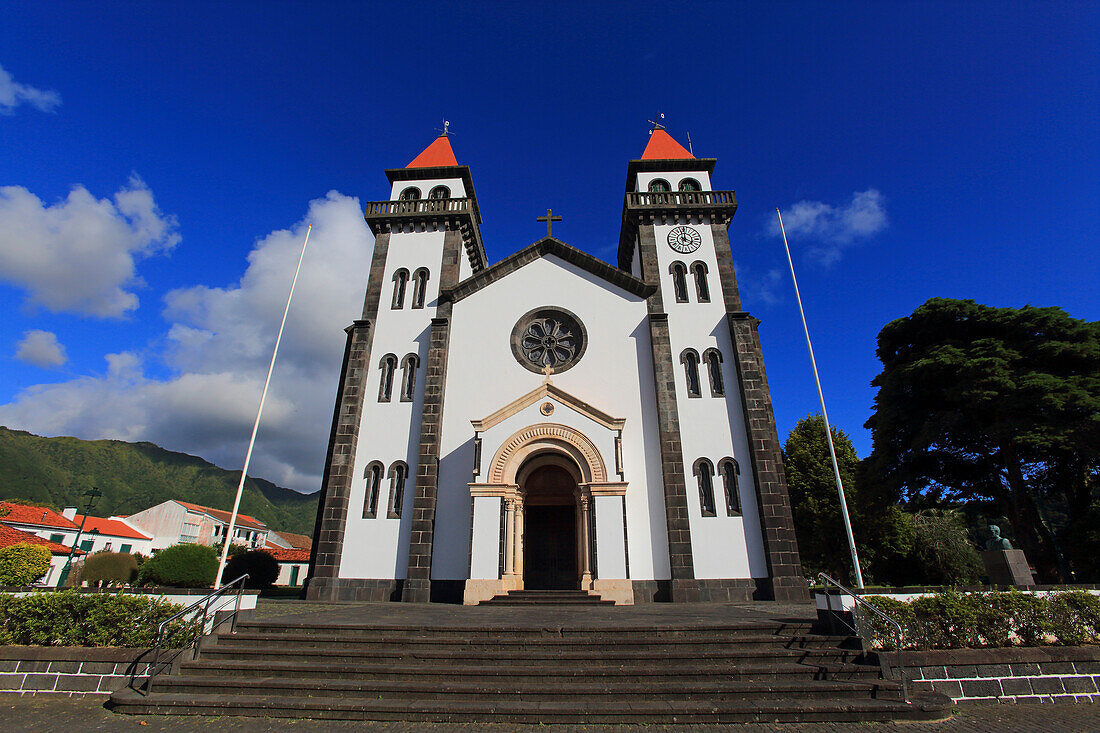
(763,290)
(834,228)
(79,254)
(41,348)
(218,347)
(13,94)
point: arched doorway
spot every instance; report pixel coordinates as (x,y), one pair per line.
(550,550)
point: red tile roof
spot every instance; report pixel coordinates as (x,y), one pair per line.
(37,515)
(297,541)
(243,520)
(111,527)
(289,555)
(662,147)
(438,153)
(11,536)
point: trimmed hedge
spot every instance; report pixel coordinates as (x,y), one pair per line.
(953,620)
(23,563)
(262,568)
(68,618)
(180,566)
(109,567)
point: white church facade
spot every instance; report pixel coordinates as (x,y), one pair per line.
(552,421)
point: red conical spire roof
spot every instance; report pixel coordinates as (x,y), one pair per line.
(662,147)
(437,154)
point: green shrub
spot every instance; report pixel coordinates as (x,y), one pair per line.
(180,566)
(996,619)
(23,563)
(109,567)
(1075,617)
(262,568)
(69,618)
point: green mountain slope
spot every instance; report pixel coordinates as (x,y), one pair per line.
(135,476)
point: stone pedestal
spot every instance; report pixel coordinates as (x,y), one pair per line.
(1007,567)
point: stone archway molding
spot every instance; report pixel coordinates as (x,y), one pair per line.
(542,437)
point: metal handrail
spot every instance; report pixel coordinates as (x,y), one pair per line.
(860,603)
(205,601)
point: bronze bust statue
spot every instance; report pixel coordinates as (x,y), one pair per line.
(996,542)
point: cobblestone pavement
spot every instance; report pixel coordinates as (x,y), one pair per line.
(75,715)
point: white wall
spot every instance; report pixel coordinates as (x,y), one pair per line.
(674,178)
(614,375)
(162,522)
(458,190)
(286,570)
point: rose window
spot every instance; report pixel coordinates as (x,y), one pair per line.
(548,337)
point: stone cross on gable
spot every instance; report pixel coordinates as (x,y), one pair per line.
(549,219)
(548,370)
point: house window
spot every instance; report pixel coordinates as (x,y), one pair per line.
(57,538)
(730,471)
(699,274)
(440,192)
(713,358)
(388,365)
(420,287)
(679,281)
(659,185)
(399,471)
(704,474)
(373,475)
(690,360)
(400,280)
(86,545)
(412,193)
(689,184)
(408,376)
(125,548)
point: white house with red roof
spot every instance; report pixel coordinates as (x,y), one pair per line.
(173,522)
(39,521)
(59,553)
(111,534)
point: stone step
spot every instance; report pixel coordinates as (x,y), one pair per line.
(547,598)
(525,630)
(701,642)
(580,689)
(621,654)
(734,709)
(410,670)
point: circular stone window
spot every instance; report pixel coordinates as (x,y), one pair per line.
(549,337)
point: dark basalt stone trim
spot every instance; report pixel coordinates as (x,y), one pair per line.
(332,509)
(377,590)
(541,248)
(681,563)
(773,504)
(421,538)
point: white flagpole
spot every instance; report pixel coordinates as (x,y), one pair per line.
(256,425)
(824,415)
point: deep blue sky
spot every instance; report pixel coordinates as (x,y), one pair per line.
(977,123)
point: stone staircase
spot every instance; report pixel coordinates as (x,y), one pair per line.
(547,598)
(523,667)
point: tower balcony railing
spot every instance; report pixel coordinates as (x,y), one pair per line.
(655,200)
(418,207)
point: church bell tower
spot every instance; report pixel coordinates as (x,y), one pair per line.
(720,453)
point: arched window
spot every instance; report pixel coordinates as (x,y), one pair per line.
(679,281)
(730,471)
(412,193)
(704,474)
(713,359)
(439,192)
(420,287)
(702,289)
(400,281)
(658,185)
(690,360)
(408,376)
(689,184)
(373,474)
(388,365)
(399,471)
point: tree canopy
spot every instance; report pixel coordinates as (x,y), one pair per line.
(999,406)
